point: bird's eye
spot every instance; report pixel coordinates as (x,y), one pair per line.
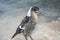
(34,9)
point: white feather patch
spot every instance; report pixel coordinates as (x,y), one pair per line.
(29,12)
(21,27)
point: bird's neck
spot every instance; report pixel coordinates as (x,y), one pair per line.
(34,17)
(29,12)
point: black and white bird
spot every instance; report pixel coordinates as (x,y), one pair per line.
(28,23)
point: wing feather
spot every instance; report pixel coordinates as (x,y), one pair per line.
(24,21)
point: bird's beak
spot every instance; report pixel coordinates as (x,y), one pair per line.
(37,12)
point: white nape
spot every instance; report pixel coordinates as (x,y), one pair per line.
(29,12)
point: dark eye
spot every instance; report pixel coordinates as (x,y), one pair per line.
(34,9)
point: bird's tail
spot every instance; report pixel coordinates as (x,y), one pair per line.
(17,32)
(14,35)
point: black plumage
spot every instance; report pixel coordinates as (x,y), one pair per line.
(19,30)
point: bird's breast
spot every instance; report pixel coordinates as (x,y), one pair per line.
(34,17)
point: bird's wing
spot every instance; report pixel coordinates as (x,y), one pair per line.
(20,30)
(24,21)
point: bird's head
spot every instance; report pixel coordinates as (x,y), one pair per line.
(33,10)
(33,13)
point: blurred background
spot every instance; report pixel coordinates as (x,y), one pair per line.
(13,11)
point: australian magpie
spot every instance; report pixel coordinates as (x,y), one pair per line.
(28,23)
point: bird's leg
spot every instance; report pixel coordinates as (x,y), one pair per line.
(31,37)
(25,37)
